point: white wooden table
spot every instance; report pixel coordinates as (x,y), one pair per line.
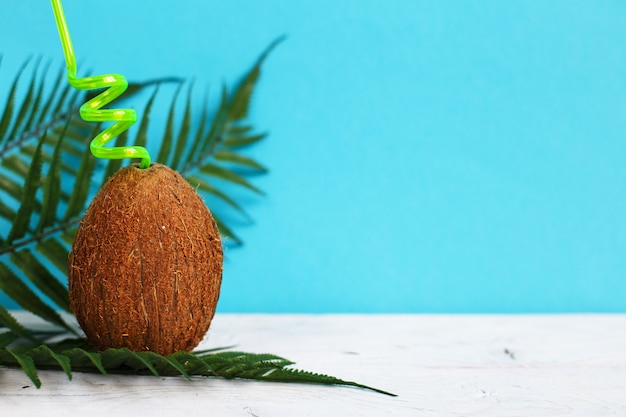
(439,365)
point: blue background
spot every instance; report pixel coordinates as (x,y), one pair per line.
(425,156)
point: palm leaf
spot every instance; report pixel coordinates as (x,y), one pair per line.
(229,365)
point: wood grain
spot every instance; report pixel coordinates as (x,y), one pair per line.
(439,365)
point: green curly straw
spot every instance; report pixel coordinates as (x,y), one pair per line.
(91,110)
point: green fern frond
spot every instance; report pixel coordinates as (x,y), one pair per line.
(225,364)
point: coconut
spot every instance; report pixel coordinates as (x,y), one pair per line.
(146,264)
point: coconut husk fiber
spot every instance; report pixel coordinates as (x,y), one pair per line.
(146,264)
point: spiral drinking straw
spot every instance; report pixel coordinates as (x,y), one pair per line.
(91,110)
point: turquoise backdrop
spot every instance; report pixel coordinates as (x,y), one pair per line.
(425,156)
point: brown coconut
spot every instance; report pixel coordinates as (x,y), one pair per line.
(146,264)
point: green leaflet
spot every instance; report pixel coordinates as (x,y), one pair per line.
(27,364)
(294,375)
(37,98)
(16,329)
(11,188)
(206,187)
(216,133)
(225,155)
(193,364)
(52,188)
(45,352)
(142,134)
(22,294)
(16,165)
(79,195)
(6,338)
(84,359)
(166,143)
(240,102)
(117,358)
(167,365)
(183,134)
(22,218)
(26,107)
(5,122)
(7,213)
(226,231)
(41,277)
(55,251)
(238,141)
(9,106)
(45,108)
(200,131)
(228,175)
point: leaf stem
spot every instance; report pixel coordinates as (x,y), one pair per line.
(39,236)
(36,132)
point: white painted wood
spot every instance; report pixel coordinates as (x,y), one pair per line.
(439,365)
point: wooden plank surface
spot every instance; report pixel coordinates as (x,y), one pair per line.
(439,365)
